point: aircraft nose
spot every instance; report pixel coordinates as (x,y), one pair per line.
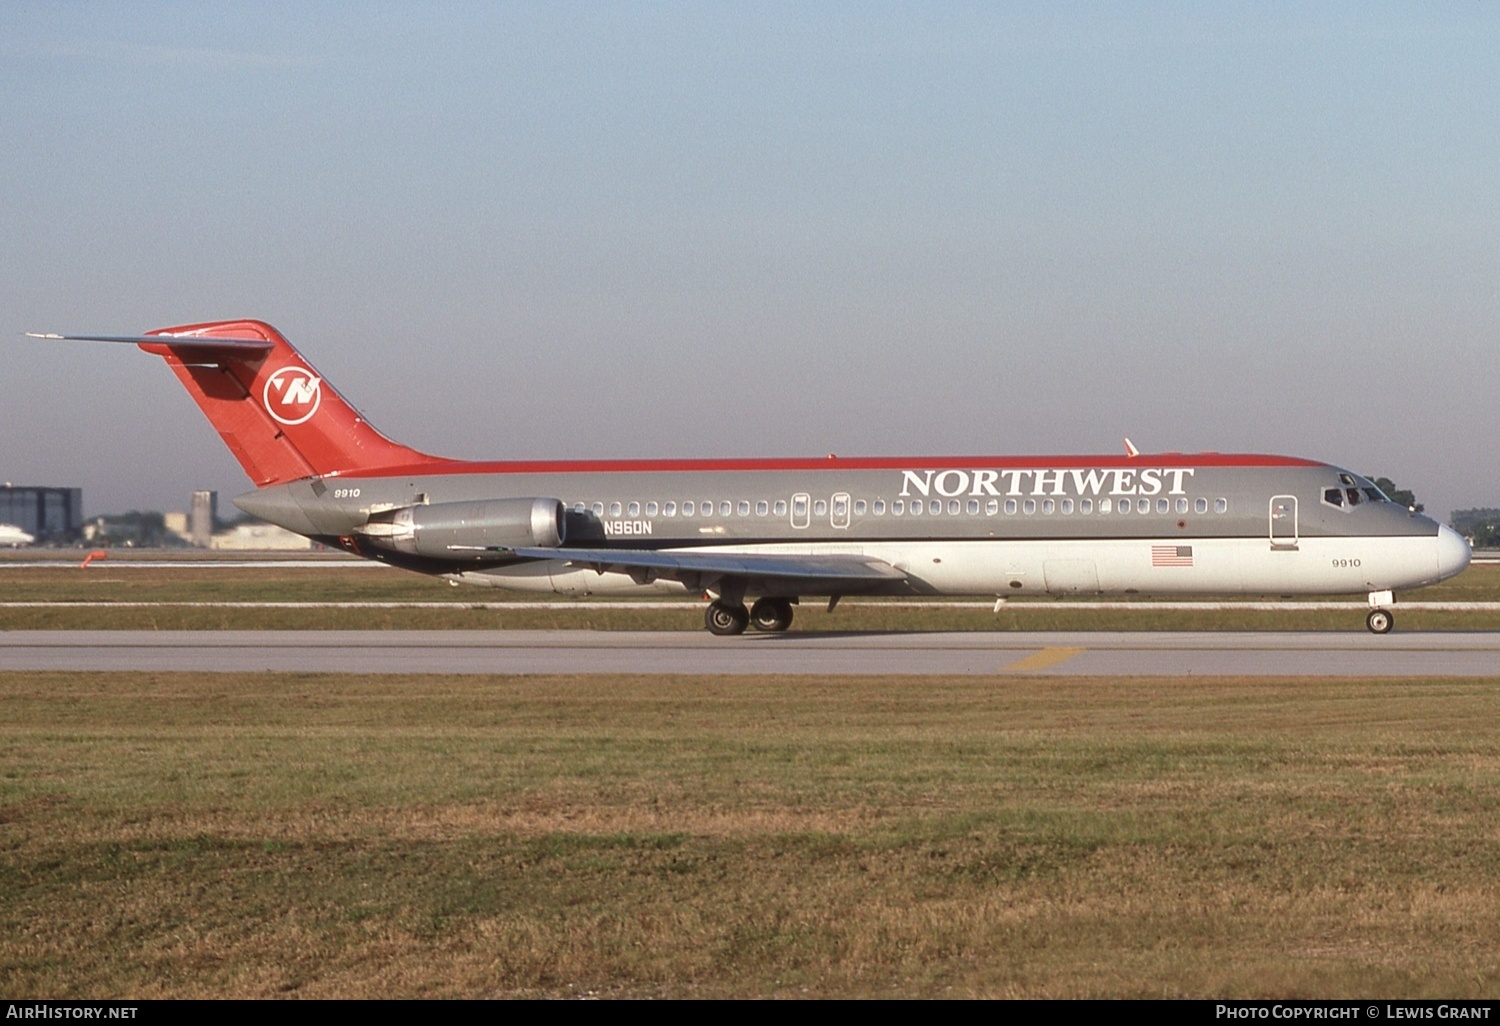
(1452,551)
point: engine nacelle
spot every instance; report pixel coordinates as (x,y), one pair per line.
(453,530)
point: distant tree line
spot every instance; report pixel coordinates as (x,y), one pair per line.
(1481,524)
(1404,496)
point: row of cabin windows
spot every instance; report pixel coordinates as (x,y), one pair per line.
(914,507)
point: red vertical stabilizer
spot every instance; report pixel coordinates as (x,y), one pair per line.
(278,416)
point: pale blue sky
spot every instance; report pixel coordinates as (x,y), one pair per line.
(551,230)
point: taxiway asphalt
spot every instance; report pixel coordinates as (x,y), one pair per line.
(1166,654)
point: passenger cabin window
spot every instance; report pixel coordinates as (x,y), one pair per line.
(897,507)
(973,507)
(879,508)
(1182,505)
(1200,505)
(1028,507)
(1221,505)
(762,508)
(1104,506)
(687,508)
(859,507)
(916,507)
(669,510)
(1048,506)
(743,509)
(614,509)
(598,509)
(724,509)
(633,510)
(1143,505)
(1010,507)
(651,508)
(953,507)
(780,508)
(820,507)
(1067,506)
(1163,506)
(992,507)
(1086,505)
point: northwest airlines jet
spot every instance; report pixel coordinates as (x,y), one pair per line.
(778,529)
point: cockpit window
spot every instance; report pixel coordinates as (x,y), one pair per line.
(1352,491)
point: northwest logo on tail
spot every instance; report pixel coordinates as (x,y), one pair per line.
(292,395)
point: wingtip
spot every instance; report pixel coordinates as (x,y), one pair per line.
(1131,450)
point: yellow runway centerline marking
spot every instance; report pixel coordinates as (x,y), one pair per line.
(1043,659)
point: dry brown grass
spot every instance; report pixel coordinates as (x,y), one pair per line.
(325,836)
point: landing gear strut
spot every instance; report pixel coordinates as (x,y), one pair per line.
(771,614)
(725,618)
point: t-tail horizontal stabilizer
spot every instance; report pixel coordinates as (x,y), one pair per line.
(279,417)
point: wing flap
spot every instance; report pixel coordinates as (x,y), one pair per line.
(834,567)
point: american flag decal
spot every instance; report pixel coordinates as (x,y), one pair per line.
(1171,555)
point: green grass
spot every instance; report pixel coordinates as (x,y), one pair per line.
(344,583)
(328,836)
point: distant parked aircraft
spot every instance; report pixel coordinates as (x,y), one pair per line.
(780,529)
(14,536)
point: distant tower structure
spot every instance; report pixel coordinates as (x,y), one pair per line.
(201,519)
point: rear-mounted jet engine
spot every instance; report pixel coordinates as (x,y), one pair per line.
(445,528)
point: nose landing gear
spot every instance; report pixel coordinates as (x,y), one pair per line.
(1380,620)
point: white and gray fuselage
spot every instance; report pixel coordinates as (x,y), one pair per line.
(1163,525)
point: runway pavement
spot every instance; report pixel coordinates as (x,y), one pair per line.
(1344,654)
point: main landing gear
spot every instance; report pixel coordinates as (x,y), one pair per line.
(729,618)
(1379,619)
(771,614)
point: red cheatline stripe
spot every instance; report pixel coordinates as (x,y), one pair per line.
(1167,460)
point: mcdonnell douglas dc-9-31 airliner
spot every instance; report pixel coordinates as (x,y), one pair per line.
(777,530)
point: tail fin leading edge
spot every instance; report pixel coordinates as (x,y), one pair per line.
(278,416)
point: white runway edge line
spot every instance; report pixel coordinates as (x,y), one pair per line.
(336,562)
(1455,607)
(191,564)
(987,653)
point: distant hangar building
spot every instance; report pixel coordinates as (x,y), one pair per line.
(51,514)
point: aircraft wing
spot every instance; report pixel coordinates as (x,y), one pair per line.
(693,567)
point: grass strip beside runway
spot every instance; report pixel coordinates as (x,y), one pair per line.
(330,836)
(344,583)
